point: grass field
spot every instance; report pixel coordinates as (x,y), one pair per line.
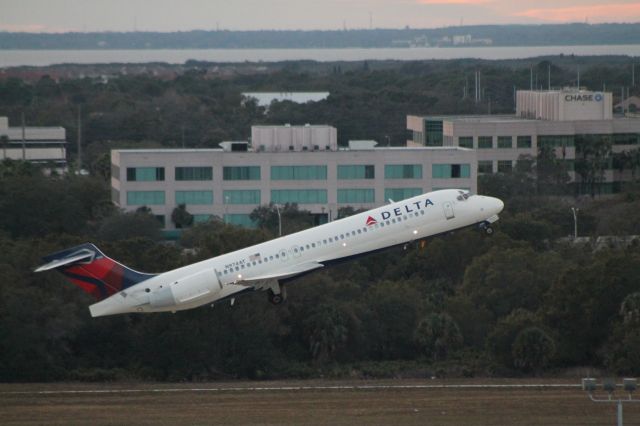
(403,402)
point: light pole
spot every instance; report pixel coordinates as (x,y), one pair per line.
(575,222)
(609,385)
(279,220)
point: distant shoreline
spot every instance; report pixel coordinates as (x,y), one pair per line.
(49,57)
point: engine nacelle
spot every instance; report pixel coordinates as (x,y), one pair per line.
(185,290)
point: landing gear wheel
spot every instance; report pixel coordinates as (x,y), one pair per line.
(486,228)
(276,299)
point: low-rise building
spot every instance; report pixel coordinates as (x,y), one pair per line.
(42,145)
(230,182)
(565,120)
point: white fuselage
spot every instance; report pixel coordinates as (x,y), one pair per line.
(285,257)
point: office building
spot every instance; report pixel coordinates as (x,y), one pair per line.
(285,164)
(567,120)
(40,145)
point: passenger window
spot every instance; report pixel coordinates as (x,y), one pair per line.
(359,231)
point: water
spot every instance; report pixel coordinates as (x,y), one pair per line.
(10,58)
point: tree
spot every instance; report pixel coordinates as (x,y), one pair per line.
(532,350)
(505,279)
(502,337)
(291,218)
(4,142)
(325,331)
(181,217)
(593,153)
(551,172)
(124,226)
(438,335)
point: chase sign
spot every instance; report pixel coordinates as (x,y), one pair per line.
(584,97)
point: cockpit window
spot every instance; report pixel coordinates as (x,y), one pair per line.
(463,195)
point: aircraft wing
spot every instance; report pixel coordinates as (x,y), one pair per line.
(265,281)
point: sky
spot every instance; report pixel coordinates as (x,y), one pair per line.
(185,15)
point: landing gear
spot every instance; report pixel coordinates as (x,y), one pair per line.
(277,298)
(486,228)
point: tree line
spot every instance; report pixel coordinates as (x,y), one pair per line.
(525,301)
(501,35)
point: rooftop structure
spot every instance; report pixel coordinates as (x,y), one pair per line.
(44,145)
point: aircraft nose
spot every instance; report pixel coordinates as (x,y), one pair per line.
(499,205)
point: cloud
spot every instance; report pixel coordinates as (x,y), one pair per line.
(594,13)
(33,28)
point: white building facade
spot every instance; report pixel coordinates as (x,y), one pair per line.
(43,145)
(562,120)
(230,182)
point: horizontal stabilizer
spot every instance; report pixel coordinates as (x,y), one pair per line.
(81,255)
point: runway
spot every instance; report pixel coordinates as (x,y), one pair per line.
(298,388)
(452,402)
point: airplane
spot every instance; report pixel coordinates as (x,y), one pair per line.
(270,265)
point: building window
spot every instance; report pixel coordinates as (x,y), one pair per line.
(242,196)
(505,166)
(465,141)
(239,220)
(556,141)
(145,198)
(403,171)
(626,138)
(194,197)
(145,174)
(298,172)
(299,196)
(356,171)
(485,167)
(433,134)
(356,195)
(194,173)
(450,171)
(524,142)
(241,173)
(485,142)
(201,218)
(115,172)
(399,194)
(505,142)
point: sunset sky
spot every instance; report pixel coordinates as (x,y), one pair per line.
(184,15)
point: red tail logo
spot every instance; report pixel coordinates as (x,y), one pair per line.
(371,221)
